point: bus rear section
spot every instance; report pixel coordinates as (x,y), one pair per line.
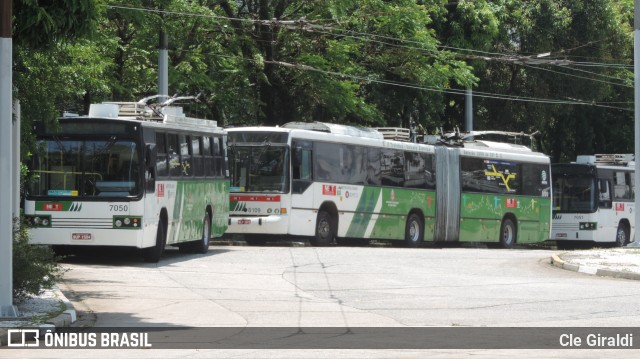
(593,201)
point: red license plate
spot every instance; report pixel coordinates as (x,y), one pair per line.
(244,221)
(81,236)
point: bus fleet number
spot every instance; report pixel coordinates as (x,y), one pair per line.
(118,207)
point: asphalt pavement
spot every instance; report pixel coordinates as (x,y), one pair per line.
(52,309)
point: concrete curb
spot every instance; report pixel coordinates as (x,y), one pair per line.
(64,319)
(557,261)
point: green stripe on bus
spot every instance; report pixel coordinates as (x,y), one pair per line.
(364,211)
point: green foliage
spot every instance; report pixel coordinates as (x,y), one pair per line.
(34,267)
(39,24)
(371,62)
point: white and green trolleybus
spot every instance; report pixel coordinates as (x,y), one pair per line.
(132,175)
(593,201)
(333,183)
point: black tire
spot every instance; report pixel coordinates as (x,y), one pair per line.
(622,235)
(413,231)
(202,245)
(508,233)
(325,230)
(153,254)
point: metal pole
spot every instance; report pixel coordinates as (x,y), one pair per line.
(7,309)
(16,159)
(636,84)
(163,67)
(468,106)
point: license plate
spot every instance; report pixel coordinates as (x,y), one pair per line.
(244,221)
(81,236)
(561,235)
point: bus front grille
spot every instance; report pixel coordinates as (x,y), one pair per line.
(106,223)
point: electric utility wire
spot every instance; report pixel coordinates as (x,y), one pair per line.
(304,25)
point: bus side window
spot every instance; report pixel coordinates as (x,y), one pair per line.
(209,163)
(162,168)
(173,147)
(218,154)
(185,155)
(604,193)
(621,189)
(301,166)
(198,157)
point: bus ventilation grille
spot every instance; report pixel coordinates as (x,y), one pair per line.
(394,133)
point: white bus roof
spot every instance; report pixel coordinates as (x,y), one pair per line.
(484,149)
(336,129)
(614,159)
(171,116)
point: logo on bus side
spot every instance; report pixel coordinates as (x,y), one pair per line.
(619,207)
(160,189)
(329,190)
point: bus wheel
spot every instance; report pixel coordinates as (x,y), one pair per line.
(413,231)
(202,246)
(325,232)
(508,233)
(153,254)
(622,235)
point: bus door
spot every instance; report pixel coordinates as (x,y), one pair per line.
(302,178)
(607,217)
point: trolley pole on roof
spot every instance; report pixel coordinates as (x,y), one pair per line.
(636,87)
(7,309)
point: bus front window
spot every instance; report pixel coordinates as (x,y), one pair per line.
(575,194)
(79,168)
(259,169)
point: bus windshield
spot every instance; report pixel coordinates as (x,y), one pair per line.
(574,193)
(85,168)
(259,168)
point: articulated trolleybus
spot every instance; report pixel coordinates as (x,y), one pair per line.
(593,200)
(334,183)
(129,174)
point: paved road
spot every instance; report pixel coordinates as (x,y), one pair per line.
(349,287)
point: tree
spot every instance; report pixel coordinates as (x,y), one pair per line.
(593,117)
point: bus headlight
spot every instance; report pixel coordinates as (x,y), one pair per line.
(588,226)
(38,221)
(126,222)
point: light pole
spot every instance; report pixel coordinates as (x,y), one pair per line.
(7,309)
(636,107)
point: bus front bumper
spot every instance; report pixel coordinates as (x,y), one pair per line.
(259,225)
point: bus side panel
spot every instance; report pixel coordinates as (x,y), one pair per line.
(186,202)
(375,212)
(481,217)
(220,205)
(396,204)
